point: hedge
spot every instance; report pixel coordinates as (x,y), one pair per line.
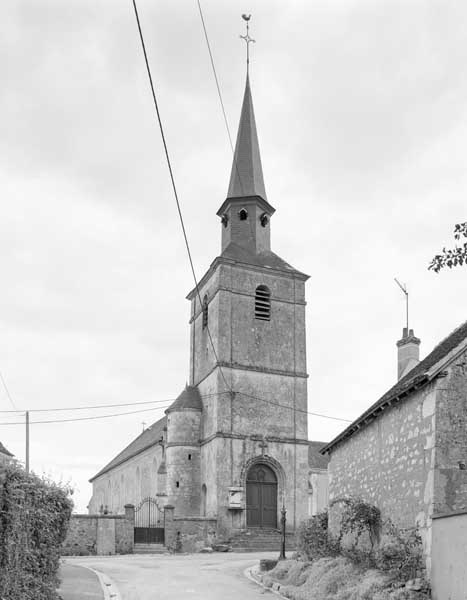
(34,516)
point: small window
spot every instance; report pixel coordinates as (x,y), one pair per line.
(264,220)
(177,484)
(243,215)
(263,303)
(205,311)
(189,457)
(225,219)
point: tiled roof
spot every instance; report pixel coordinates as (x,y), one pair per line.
(149,437)
(3,450)
(414,379)
(189,398)
(316,460)
(263,259)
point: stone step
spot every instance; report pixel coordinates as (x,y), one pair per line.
(257,540)
(288,550)
(150,549)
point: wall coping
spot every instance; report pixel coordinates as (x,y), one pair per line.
(98,516)
(453,513)
(211,519)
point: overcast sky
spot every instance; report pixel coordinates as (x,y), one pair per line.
(361,109)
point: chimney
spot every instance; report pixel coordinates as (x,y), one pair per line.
(408,352)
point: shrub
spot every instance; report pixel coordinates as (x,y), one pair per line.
(34,515)
(313,537)
(359,530)
(400,551)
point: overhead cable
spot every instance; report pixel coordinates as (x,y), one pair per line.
(172,178)
(95,417)
(7,391)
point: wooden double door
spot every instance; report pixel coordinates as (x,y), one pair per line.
(261,497)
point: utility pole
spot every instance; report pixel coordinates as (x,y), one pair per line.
(27,441)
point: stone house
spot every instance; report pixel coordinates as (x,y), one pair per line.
(234,445)
(407,453)
(6,457)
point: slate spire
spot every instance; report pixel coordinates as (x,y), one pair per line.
(246,178)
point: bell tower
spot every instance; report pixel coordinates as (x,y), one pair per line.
(248,359)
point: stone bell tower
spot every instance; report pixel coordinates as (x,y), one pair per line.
(248,360)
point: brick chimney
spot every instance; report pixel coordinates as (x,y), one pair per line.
(408,352)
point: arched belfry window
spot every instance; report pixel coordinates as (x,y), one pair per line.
(263,303)
(243,215)
(205,311)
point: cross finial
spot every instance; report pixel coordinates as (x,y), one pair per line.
(248,40)
(263,445)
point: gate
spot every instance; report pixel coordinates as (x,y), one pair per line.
(149,523)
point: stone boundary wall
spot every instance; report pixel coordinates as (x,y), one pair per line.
(100,534)
(188,534)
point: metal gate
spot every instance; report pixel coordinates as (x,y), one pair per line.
(149,523)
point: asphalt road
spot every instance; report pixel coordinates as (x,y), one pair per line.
(78,583)
(218,576)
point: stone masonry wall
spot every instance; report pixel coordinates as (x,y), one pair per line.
(451,439)
(99,534)
(390,464)
(81,538)
(188,534)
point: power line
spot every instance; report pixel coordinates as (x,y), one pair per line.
(296,409)
(159,408)
(7,392)
(131,412)
(220,94)
(95,406)
(148,69)
(215,75)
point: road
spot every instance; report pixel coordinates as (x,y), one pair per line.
(218,576)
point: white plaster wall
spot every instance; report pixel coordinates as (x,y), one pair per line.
(127,483)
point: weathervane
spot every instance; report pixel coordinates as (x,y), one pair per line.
(248,40)
(404,289)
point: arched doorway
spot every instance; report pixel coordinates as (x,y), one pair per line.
(261,497)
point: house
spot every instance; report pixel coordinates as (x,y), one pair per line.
(6,457)
(407,454)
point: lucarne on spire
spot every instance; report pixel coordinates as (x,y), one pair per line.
(246,178)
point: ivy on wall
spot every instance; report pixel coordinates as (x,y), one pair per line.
(364,538)
(34,515)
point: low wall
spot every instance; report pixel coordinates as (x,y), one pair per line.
(448,556)
(100,534)
(188,534)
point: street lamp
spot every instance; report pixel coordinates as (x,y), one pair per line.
(283,522)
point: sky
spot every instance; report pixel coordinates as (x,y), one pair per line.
(362,120)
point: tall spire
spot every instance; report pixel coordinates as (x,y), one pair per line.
(246,178)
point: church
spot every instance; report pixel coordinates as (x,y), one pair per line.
(234,445)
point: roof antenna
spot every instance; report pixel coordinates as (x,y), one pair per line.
(248,41)
(403,287)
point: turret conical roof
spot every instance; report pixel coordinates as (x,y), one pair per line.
(246,178)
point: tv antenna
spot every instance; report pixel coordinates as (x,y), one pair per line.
(403,287)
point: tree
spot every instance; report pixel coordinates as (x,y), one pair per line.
(455,257)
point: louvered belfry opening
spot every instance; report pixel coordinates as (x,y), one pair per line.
(263,303)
